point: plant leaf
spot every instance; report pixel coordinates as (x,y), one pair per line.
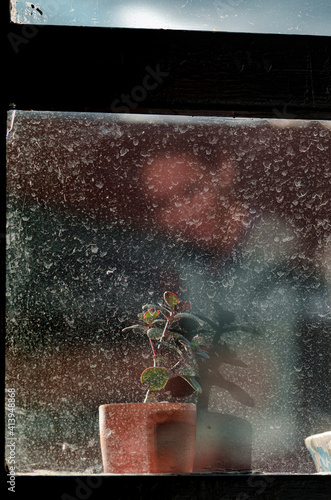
(154,333)
(186,371)
(155,377)
(170,299)
(159,322)
(171,347)
(193,383)
(132,327)
(151,315)
(183,306)
(202,354)
(164,310)
(181,338)
(189,316)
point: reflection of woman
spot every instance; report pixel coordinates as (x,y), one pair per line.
(195,203)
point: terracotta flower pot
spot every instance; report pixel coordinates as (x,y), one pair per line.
(147,437)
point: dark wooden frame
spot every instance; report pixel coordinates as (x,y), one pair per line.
(220,74)
(208,73)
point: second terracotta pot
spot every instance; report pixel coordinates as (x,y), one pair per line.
(141,438)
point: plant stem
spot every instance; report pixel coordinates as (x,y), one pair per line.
(165,329)
(153,349)
(146,397)
(151,397)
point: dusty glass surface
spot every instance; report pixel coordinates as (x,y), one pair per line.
(105,212)
(250,16)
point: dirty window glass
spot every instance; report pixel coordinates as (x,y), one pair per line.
(106,212)
(250,16)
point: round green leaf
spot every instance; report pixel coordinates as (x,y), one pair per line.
(170,299)
(154,333)
(155,377)
(150,316)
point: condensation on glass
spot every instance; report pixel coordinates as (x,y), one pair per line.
(251,16)
(105,212)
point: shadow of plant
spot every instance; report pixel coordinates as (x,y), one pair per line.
(219,322)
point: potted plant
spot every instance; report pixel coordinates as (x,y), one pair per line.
(159,436)
(156,436)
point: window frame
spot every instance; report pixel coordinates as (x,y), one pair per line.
(209,73)
(198,73)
